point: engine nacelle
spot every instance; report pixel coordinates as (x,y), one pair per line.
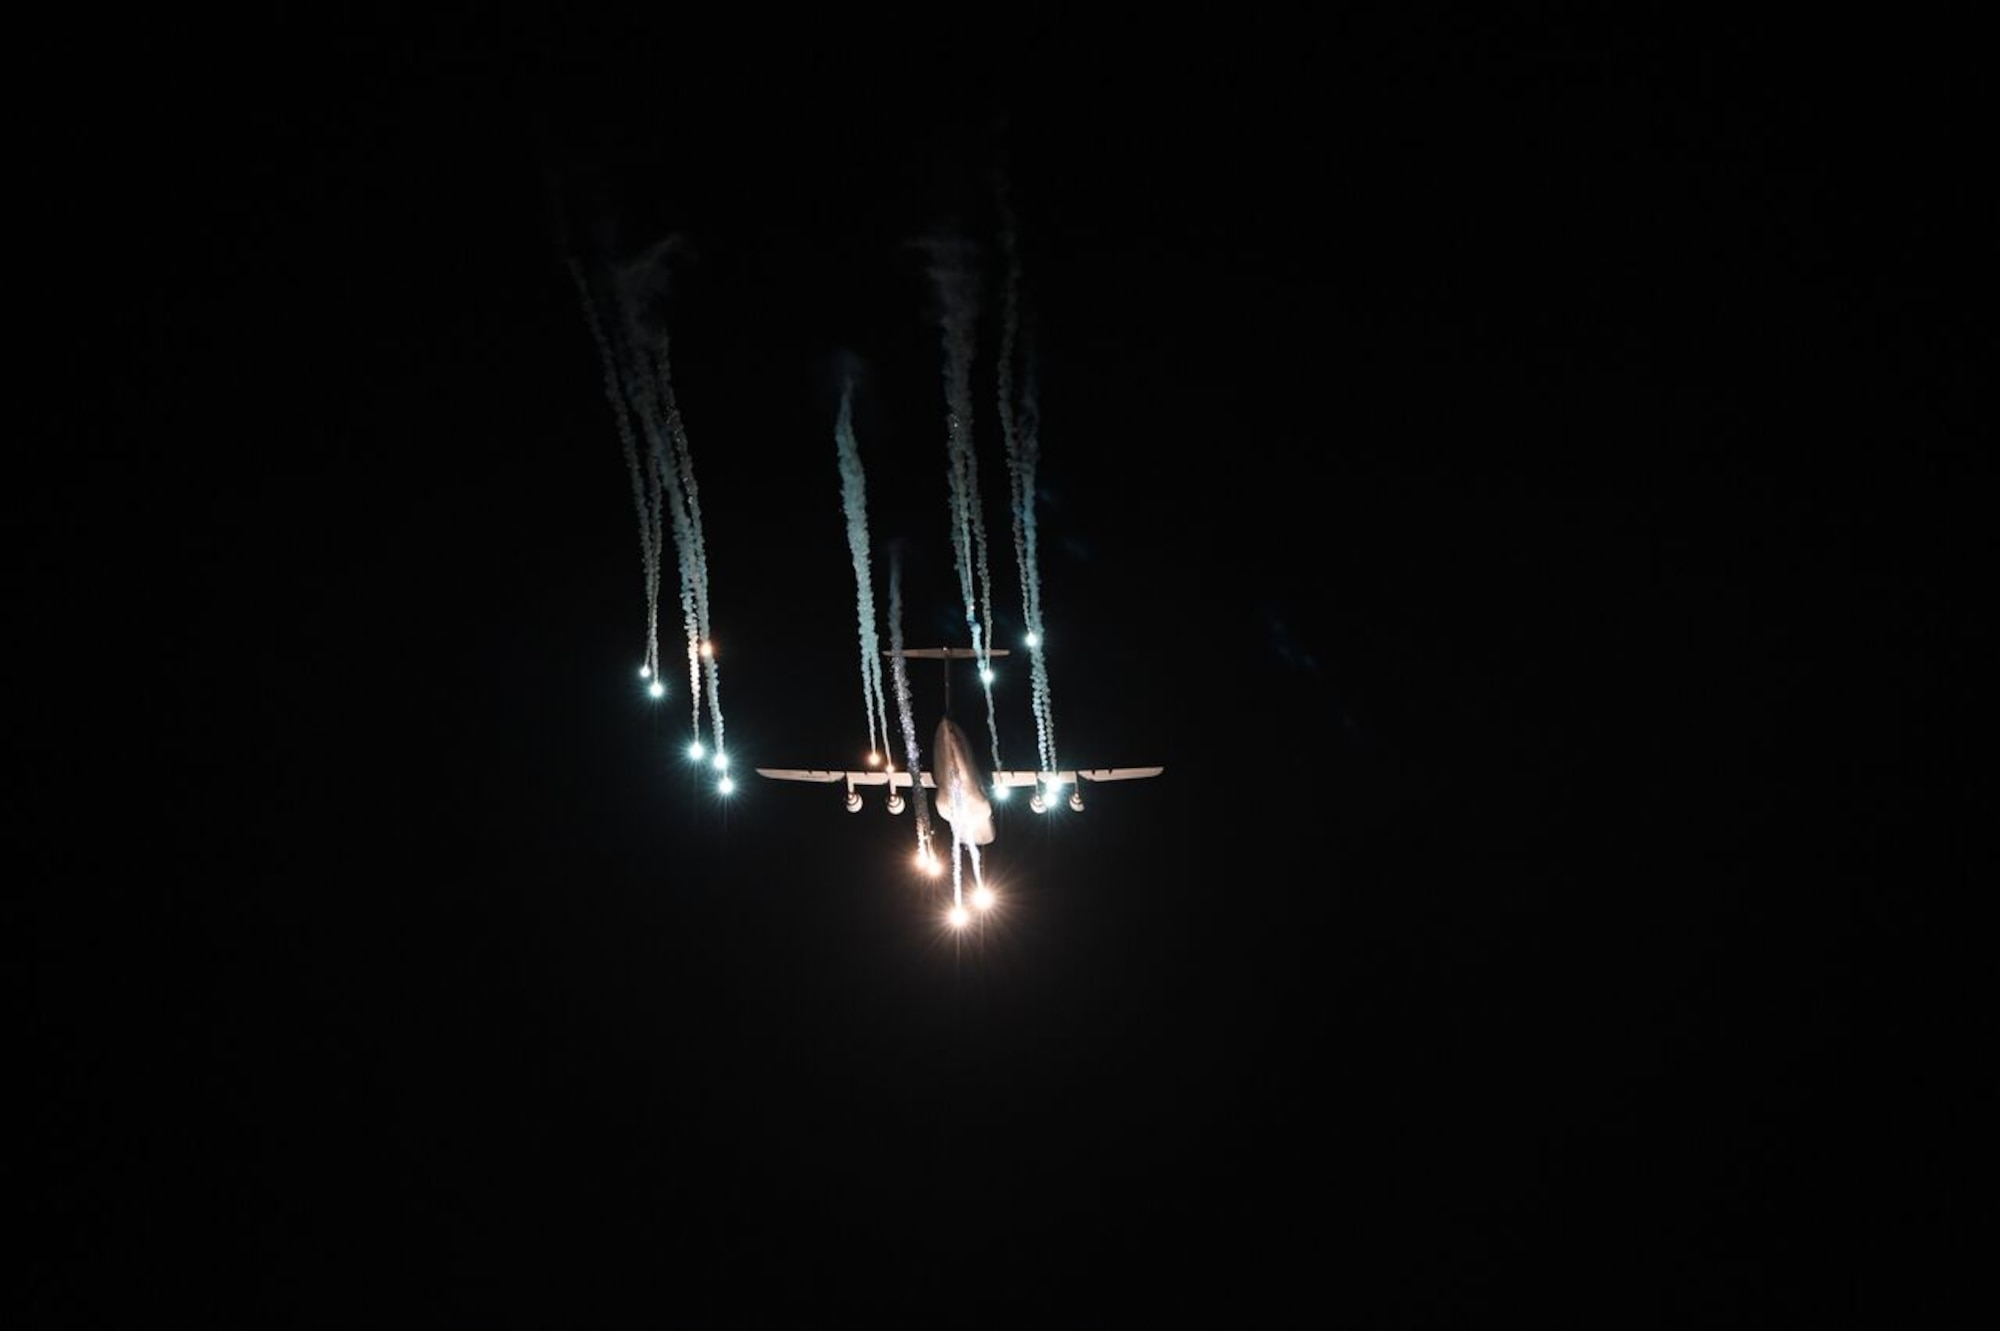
(1037,803)
(895,802)
(854,801)
(1076,800)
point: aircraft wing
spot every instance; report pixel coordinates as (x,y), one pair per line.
(1070,778)
(900,780)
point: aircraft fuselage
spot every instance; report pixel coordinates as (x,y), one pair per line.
(960,786)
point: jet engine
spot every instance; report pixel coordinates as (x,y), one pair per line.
(895,802)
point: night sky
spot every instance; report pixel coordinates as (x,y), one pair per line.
(1523,480)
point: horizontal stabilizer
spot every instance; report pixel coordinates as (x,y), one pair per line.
(942,653)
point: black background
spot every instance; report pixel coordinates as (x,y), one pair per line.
(1523,478)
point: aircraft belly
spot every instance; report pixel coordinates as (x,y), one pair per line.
(961,792)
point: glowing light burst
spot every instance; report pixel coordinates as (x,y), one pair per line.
(726,785)
(986,674)
(874,760)
(928,863)
(721,762)
(645,672)
(1001,794)
(1034,640)
(708,651)
(656,689)
(982,897)
(958,917)
(696,751)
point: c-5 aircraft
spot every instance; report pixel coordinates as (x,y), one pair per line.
(961,786)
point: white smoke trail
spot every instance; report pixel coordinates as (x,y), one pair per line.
(688,528)
(854,503)
(901,673)
(675,490)
(653,403)
(698,557)
(970,857)
(958,295)
(1031,577)
(957,871)
(621,410)
(1018,430)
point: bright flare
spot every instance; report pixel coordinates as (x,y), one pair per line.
(726,785)
(708,650)
(657,689)
(645,672)
(959,917)
(1034,639)
(986,674)
(982,897)
(695,751)
(721,762)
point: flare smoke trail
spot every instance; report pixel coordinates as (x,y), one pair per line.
(854,502)
(639,373)
(900,670)
(957,874)
(698,544)
(1019,431)
(676,462)
(654,405)
(621,410)
(1031,578)
(959,307)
